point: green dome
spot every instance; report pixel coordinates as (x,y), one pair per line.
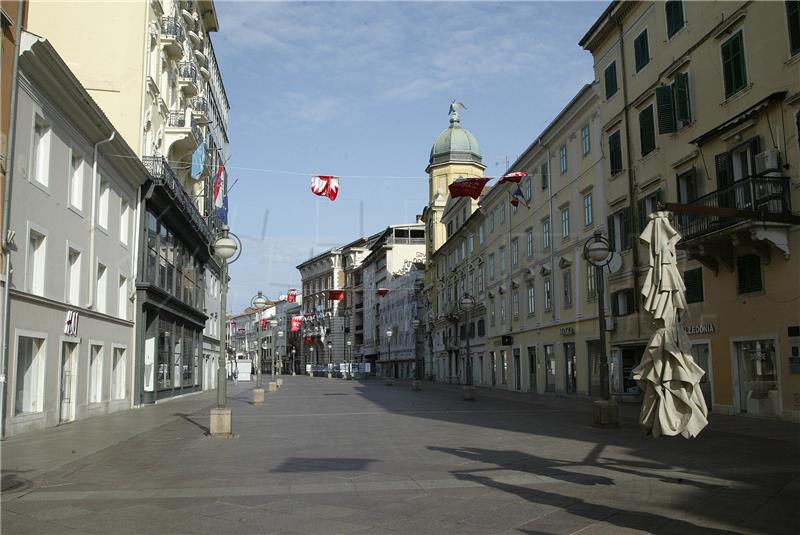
(455,144)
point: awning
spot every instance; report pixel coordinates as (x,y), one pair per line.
(738,119)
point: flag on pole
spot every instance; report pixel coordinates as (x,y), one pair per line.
(296,324)
(291,296)
(325,186)
(468,187)
(518,196)
(515,177)
(198,161)
(220,197)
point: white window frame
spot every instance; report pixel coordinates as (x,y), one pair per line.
(588,209)
(72,280)
(565,223)
(98,286)
(41,358)
(586,140)
(119,376)
(124,221)
(76,181)
(36,268)
(39,168)
(122,296)
(94,391)
(546,243)
(103,202)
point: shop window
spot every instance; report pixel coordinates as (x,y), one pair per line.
(749,278)
(30,375)
(758,378)
(693,280)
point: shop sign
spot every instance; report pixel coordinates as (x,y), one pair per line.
(699,329)
(567,331)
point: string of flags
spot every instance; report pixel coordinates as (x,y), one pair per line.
(325,186)
(473,187)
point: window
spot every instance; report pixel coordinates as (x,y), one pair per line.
(749,273)
(548,295)
(733,67)
(528,193)
(101,296)
(585,142)
(40,152)
(449,229)
(463,249)
(619,233)
(95,374)
(491,312)
(122,298)
(647,133)
(471,243)
(481,328)
(515,303)
(515,252)
(102,204)
(35,269)
(622,302)
(502,309)
(124,221)
(588,214)
(567,279)
(673,104)
(502,260)
(72,294)
(641,51)
(480,234)
(30,375)
(565,223)
(545,170)
(591,281)
(430,229)
(562,158)
(531,299)
(611,79)
(491,221)
(693,279)
(480,279)
(546,233)
(503,367)
(615,153)
(118,374)
(648,205)
(502,214)
(793,18)
(491,267)
(674,10)
(529,242)
(76,181)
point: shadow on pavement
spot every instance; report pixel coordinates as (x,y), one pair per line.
(321,464)
(12,482)
(188,418)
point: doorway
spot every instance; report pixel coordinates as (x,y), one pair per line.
(570,368)
(69,358)
(517,373)
(532,365)
(701,353)
(550,368)
(494,368)
(595,384)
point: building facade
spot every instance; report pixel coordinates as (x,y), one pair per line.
(712,121)
(71,337)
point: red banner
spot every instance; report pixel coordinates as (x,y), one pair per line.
(382,291)
(308,340)
(291,297)
(263,324)
(468,187)
(296,323)
(336,295)
(515,177)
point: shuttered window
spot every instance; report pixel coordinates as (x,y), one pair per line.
(545,170)
(665,107)
(687,186)
(647,133)
(793,18)
(733,67)
(680,90)
(611,79)
(641,51)
(622,302)
(647,205)
(749,273)
(722,166)
(619,230)
(693,279)
(675,22)
(672,105)
(615,152)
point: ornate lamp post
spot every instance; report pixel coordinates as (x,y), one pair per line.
(597,251)
(293,365)
(227,248)
(277,355)
(259,302)
(330,361)
(467,302)
(390,376)
(419,365)
(350,358)
(311,358)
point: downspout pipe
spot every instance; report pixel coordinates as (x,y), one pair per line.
(6,229)
(93,223)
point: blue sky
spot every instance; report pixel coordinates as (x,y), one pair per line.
(361,90)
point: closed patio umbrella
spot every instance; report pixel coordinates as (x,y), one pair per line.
(673,403)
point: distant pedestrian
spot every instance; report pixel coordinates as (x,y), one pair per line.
(236,377)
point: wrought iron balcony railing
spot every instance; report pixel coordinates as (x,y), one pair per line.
(176,119)
(163,175)
(758,195)
(171,27)
(200,104)
(187,71)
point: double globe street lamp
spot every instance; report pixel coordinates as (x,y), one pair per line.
(467,302)
(259,302)
(390,372)
(597,251)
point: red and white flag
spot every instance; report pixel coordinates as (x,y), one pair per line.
(515,177)
(468,187)
(291,296)
(325,186)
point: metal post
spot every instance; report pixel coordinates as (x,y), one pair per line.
(601,312)
(258,352)
(222,376)
(468,367)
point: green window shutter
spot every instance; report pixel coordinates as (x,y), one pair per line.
(666,110)
(615,152)
(626,228)
(615,304)
(722,165)
(693,279)
(734,74)
(641,51)
(647,133)
(749,273)
(793,17)
(680,89)
(642,215)
(675,21)
(611,233)
(611,79)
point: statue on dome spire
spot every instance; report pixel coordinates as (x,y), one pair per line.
(454,117)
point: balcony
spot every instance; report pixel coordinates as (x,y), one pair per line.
(172,36)
(736,216)
(182,134)
(163,175)
(187,78)
(200,55)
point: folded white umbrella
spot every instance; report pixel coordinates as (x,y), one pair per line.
(673,403)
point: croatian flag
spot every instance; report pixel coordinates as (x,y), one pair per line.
(518,196)
(220,198)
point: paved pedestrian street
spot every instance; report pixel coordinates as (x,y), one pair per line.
(335,456)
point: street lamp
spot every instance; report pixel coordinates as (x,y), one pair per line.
(227,248)
(390,377)
(467,302)
(350,359)
(330,362)
(311,358)
(278,355)
(418,368)
(293,365)
(597,251)
(259,302)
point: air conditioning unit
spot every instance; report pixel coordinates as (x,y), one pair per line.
(768,162)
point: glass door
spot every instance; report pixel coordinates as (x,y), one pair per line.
(700,353)
(758,381)
(570,368)
(69,352)
(532,365)
(517,374)
(550,368)
(595,385)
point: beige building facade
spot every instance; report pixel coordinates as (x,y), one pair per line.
(700,105)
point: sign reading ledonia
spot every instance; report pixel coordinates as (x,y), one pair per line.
(699,329)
